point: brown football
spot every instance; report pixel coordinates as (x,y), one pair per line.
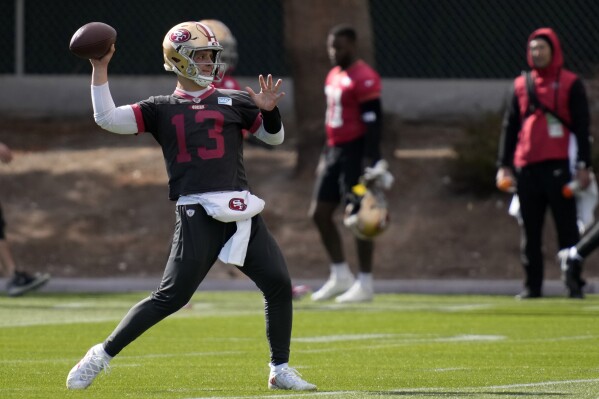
(92,40)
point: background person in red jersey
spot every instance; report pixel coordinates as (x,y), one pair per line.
(533,151)
(353,125)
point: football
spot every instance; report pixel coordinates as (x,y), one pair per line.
(92,40)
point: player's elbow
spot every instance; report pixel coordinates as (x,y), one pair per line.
(116,122)
(103,120)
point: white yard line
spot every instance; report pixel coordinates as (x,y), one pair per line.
(541,384)
(495,387)
(122,359)
(343,338)
(349,394)
(288,395)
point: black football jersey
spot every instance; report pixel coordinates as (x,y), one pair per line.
(201,138)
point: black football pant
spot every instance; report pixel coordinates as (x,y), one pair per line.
(540,187)
(197,241)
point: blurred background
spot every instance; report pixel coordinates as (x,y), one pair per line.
(454,58)
(442,39)
(447,67)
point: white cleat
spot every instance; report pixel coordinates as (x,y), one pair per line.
(357,293)
(333,287)
(290,379)
(82,375)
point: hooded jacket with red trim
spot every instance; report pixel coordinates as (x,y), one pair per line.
(525,137)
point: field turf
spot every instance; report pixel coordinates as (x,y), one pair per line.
(398,346)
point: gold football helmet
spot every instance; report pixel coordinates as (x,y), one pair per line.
(366,213)
(179,46)
(229,55)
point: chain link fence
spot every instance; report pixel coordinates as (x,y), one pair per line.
(478,38)
(482,39)
(141,26)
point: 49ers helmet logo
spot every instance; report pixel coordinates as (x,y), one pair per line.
(180,36)
(237,204)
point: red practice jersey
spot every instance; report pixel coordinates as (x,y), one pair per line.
(345,90)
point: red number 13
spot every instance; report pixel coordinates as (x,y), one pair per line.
(215,133)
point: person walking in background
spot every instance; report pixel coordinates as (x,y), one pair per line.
(19,281)
(548,104)
(353,125)
(571,260)
(199,128)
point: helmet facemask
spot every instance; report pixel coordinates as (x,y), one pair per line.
(179,47)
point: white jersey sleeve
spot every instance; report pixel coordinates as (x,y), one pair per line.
(119,120)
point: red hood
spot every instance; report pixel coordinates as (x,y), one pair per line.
(557,60)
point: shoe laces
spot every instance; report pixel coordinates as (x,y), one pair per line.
(290,375)
(94,364)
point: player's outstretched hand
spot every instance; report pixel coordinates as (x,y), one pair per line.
(269,95)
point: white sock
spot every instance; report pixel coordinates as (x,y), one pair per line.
(278,367)
(339,269)
(365,279)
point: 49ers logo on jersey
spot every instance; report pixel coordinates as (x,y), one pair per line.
(237,204)
(180,36)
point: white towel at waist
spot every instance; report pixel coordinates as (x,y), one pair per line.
(230,206)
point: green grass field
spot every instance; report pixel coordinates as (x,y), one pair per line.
(399,346)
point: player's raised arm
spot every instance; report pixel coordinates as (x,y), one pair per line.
(119,120)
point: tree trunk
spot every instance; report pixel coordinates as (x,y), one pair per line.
(307,23)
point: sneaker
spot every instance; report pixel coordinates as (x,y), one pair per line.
(289,378)
(23,282)
(82,375)
(357,293)
(333,287)
(571,271)
(299,291)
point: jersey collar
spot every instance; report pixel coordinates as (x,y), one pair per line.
(191,97)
